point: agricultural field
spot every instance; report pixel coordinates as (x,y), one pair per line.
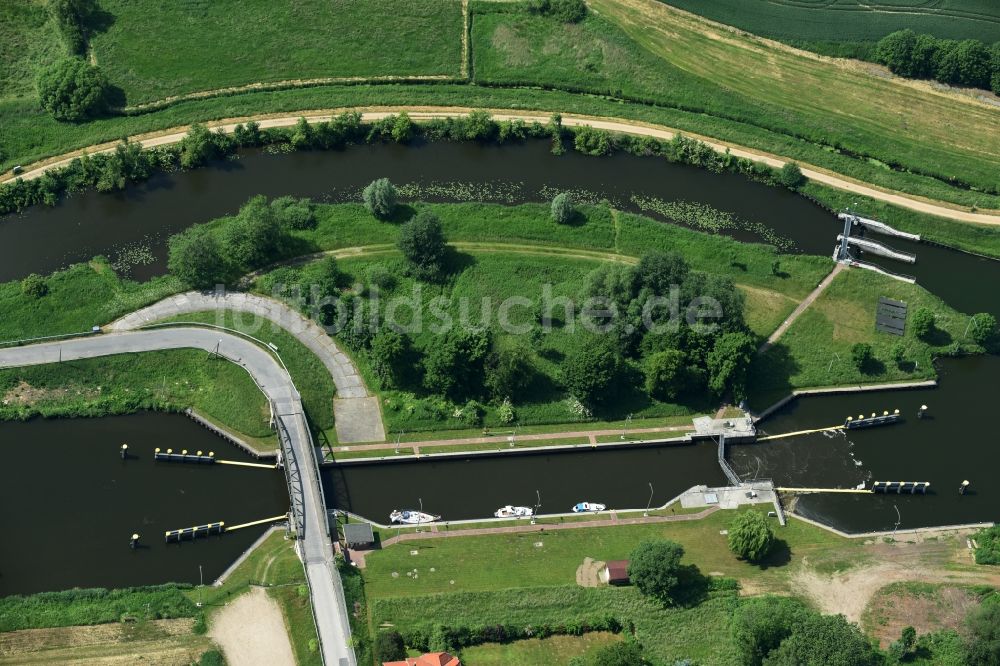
(154,50)
(827,25)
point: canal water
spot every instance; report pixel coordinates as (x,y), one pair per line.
(69,503)
(476,486)
(134,224)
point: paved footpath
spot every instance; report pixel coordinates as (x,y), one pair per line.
(797,312)
(590,435)
(356,411)
(315,547)
(548,527)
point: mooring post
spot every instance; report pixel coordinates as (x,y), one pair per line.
(124,451)
(133,542)
(921,411)
(962,488)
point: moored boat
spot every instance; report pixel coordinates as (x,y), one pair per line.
(407,517)
(514,512)
(584,507)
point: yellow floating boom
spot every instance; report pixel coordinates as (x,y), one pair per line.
(245,464)
(800,432)
(855,491)
(283,516)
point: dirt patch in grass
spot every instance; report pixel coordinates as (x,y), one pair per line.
(588,574)
(157,642)
(922,606)
(251,630)
(26,394)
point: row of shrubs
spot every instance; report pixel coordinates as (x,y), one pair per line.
(969,62)
(444,638)
(131,163)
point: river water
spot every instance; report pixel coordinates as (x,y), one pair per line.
(70,526)
(140,219)
(70,503)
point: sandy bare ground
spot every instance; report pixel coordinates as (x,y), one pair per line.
(924,560)
(588,574)
(251,631)
(157,643)
(619,125)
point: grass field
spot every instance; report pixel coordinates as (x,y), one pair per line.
(816,350)
(472,561)
(822,101)
(159,49)
(126,383)
(830,24)
(27,39)
(82,296)
(554,650)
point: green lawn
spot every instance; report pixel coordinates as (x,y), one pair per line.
(82,296)
(126,383)
(308,373)
(28,39)
(816,349)
(554,650)
(473,562)
(159,49)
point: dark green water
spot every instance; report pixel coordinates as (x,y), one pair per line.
(70,503)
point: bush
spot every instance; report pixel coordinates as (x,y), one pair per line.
(195,257)
(761,623)
(790,176)
(71,16)
(666,374)
(654,567)
(200,146)
(750,537)
(422,242)
(623,653)
(294,213)
(72,89)
(821,640)
(34,286)
(982,646)
(212,658)
(380,198)
(389,646)
(590,372)
(590,141)
(862,355)
(252,239)
(567,11)
(982,327)
(922,322)
(389,355)
(988,541)
(563,211)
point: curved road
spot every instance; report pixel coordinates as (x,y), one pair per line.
(356,411)
(619,125)
(314,547)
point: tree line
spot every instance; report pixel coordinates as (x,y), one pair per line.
(969,62)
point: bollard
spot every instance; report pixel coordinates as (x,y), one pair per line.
(962,488)
(133,542)
(124,451)
(921,411)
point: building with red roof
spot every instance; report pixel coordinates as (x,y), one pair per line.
(429,659)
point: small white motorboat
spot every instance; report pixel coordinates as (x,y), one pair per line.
(585,507)
(412,517)
(514,512)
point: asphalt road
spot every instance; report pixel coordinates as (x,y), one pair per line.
(315,549)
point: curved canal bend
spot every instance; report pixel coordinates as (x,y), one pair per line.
(143,216)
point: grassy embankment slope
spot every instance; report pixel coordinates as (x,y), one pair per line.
(825,104)
(851,27)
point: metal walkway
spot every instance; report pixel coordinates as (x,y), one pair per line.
(878,248)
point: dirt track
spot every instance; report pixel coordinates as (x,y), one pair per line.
(174,135)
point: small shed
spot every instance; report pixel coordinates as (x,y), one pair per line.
(358,535)
(615,572)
